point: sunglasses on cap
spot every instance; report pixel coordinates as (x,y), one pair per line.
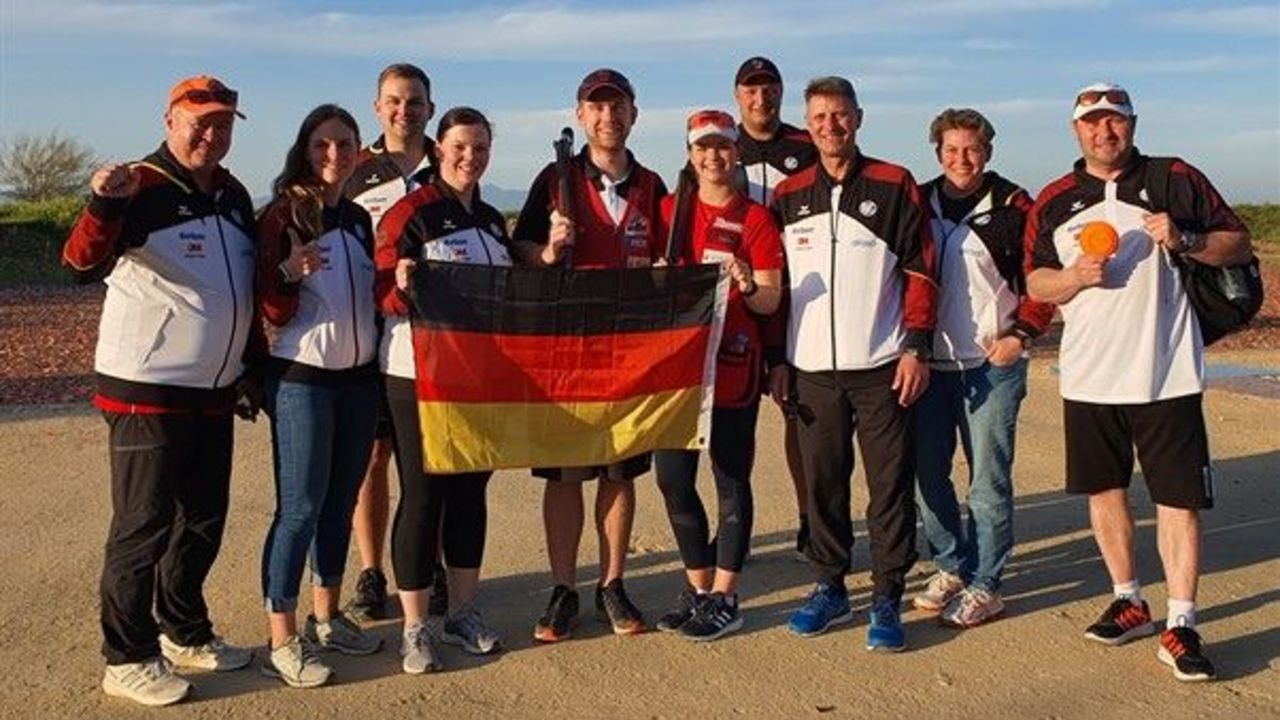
(200,96)
(1093,97)
(718,118)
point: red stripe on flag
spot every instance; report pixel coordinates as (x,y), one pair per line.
(457,366)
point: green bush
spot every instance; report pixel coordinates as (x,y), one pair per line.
(57,213)
(1263,222)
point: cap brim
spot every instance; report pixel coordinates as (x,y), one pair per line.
(766,75)
(1104,106)
(703,134)
(588,92)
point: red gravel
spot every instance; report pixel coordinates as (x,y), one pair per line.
(47,336)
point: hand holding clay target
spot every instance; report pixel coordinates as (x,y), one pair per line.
(1099,239)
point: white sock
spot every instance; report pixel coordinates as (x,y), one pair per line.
(1182,613)
(1130,590)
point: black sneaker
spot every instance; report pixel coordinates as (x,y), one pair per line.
(1180,650)
(370,601)
(557,622)
(614,607)
(438,604)
(717,616)
(684,607)
(1123,620)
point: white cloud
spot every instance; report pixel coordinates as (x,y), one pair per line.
(991,44)
(1243,20)
(528,31)
(1179,66)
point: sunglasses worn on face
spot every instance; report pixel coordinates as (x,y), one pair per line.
(1093,97)
(224,96)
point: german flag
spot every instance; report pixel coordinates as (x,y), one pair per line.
(550,367)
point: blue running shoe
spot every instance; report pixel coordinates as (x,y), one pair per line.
(825,606)
(885,633)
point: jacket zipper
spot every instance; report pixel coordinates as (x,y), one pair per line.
(235,305)
(835,240)
(351,288)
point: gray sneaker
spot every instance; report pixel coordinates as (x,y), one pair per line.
(339,633)
(469,630)
(971,608)
(942,586)
(296,663)
(150,683)
(213,655)
(418,647)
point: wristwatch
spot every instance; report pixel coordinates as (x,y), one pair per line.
(751,289)
(1024,338)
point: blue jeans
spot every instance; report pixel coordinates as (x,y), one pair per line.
(982,404)
(321,436)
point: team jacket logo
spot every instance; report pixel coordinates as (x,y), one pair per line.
(184,211)
(448,225)
(868,208)
(194,244)
(637,232)
(372,179)
(1077,206)
(983,219)
(722,224)
(790,163)
(804,210)
(1142,195)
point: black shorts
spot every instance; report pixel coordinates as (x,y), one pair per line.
(628,469)
(1172,444)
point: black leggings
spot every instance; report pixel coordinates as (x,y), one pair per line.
(433,509)
(733,450)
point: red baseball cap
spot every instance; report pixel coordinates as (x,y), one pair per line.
(605,78)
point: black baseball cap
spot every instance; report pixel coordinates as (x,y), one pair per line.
(605,78)
(757,68)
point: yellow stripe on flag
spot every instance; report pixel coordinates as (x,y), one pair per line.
(463,437)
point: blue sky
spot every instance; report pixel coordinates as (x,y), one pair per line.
(1205,75)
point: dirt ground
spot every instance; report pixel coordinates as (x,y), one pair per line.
(1033,663)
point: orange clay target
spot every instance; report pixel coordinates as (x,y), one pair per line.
(1099,239)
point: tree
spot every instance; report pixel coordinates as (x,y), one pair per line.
(43,167)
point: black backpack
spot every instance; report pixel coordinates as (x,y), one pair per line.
(1225,299)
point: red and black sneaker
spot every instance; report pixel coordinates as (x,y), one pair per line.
(614,607)
(557,622)
(1180,650)
(1124,620)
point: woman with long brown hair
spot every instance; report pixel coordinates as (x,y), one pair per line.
(315,291)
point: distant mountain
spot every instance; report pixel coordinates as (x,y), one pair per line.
(508,201)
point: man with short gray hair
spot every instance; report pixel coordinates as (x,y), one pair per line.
(859,332)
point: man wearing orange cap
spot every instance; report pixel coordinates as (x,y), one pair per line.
(1132,358)
(172,235)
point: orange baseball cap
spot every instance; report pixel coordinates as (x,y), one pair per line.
(202,95)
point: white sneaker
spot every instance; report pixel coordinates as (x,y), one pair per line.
(419,647)
(149,683)
(938,591)
(213,655)
(296,663)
